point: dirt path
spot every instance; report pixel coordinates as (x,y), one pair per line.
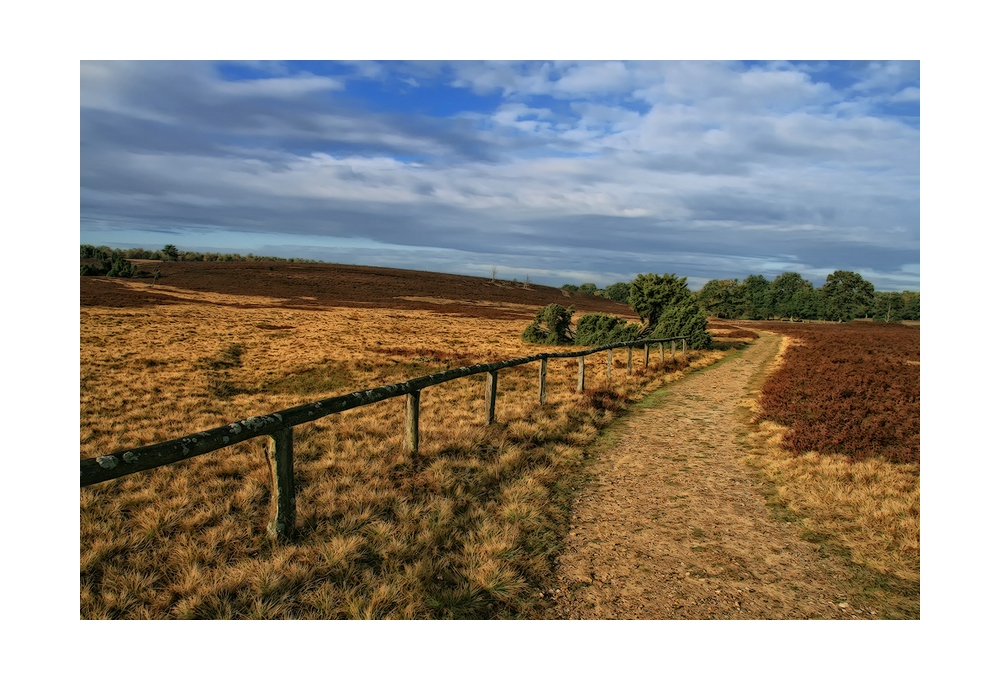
(675,525)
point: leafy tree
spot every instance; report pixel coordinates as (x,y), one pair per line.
(783,290)
(570,287)
(588,288)
(617,291)
(668,308)
(846,295)
(716,297)
(550,326)
(650,294)
(604,329)
(171,252)
(755,298)
(684,318)
(87,252)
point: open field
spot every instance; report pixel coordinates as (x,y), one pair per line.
(470,531)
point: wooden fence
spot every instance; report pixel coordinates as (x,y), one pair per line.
(278,426)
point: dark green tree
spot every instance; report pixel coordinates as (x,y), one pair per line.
(650,294)
(716,298)
(684,318)
(171,252)
(783,290)
(846,295)
(550,326)
(755,298)
(617,291)
(588,288)
(604,329)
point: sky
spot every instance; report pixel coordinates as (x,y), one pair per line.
(562,172)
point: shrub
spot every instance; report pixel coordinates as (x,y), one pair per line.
(604,329)
(550,326)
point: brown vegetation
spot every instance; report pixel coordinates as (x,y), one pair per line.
(850,389)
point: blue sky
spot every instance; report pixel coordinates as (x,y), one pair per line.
(565,172)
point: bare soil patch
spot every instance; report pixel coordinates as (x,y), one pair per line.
(675,526)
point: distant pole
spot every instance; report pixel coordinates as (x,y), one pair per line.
(610,361)
(673,347)
(580,376)
(684,346)
(661,353)
(630,359)
(541,380)
(646,361)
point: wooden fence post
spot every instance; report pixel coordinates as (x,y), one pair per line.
(411,428)
(673,347)
(646,361)
(630,359)
(580,376)
(491,396)
(610,361)
(684,346)
(279,459)
(541,381)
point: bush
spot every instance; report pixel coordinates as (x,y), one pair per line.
(550,326)
(604,329)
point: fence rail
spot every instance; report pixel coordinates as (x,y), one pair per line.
(278,426)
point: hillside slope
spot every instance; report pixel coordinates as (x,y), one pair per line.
(310,286)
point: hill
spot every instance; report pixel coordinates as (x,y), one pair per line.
(321,285)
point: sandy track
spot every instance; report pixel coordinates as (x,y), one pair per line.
(675,524)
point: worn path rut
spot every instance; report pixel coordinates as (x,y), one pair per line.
(675,525)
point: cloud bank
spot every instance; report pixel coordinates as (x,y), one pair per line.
(562,171)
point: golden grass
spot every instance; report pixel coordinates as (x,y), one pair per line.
(467,530)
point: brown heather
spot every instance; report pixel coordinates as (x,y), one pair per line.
(468,531)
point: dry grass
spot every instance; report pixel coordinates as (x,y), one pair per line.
(468,530)
(868,509)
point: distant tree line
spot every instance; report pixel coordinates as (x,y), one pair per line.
(104,261)
(616,291)
(844,296)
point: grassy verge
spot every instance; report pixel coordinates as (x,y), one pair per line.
(865,512)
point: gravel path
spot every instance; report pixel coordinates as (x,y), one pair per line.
(675,524)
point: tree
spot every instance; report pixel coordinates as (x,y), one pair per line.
(716,298)
(755,298)
(588,288)
(783,290)
(846,295)
(171,251)
(650,294)
(550,326)
(668,308)
(684,318)
(617,291)
(604,329)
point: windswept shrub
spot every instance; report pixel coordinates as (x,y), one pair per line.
(604,329)
(550,326)
(684,318)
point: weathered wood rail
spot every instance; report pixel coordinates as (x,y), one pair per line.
(278,426)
